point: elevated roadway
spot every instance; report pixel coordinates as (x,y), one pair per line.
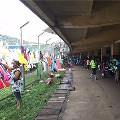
(85,25)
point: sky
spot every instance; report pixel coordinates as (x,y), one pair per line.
(14,14)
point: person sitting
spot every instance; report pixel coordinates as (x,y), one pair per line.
(50,80)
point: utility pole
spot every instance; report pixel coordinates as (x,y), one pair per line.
(23,72)
(39,45)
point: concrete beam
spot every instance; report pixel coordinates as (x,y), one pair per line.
(106,36)
(89,26)
(106,15)
(43,12)
(39,9)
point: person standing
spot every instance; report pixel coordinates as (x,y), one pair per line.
(88,64)
(93,67)
(15,80)
(117,71)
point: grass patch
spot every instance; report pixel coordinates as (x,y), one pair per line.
(5,92)
(31,101)
(29,78)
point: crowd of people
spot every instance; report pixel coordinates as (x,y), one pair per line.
(109,68)
(49,63)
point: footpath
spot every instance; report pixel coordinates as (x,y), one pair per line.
(91,99)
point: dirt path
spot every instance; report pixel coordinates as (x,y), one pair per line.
(92,100)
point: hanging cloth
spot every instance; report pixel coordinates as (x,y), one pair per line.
(58,64)
(49,61)
(53,65)
(5,75)
(1,84)
(4,84)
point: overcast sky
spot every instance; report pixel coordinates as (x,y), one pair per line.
(13,14)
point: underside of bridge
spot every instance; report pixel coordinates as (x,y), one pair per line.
(84,25)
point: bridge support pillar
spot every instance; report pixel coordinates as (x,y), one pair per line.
(88,55)
(95,53)
(103,53)
(114,51)
(91,54)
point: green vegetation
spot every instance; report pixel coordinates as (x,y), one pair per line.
(29,78)
(33,98)
(5,92)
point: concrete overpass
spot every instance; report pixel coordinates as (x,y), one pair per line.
(85,25)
